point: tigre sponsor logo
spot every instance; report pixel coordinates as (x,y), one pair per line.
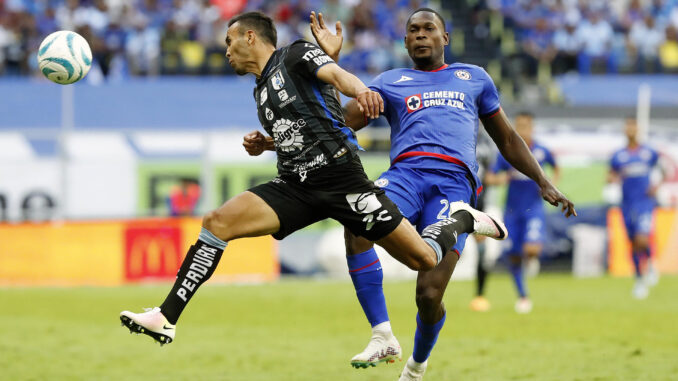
(317,162)
(286,134)
(277,80)
(317,55)
(202,261)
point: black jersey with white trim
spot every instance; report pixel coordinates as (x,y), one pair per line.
(302,113)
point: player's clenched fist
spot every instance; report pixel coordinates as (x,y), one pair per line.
(370,103)
(255,143)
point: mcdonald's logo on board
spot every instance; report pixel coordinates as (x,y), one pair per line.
(152,252)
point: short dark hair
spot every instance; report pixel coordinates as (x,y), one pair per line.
(525,113)
(442,21)
(258,22)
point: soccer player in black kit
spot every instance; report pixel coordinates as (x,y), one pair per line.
(319,173)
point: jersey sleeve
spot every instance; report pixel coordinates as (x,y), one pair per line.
(488,100)
(306,58)
(500,165)
(377,85)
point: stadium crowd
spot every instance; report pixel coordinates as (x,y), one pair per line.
(152,37)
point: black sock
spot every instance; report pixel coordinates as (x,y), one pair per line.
(481,275)
(445,232)
(197,268)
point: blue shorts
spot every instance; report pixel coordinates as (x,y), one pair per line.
(638,218)
(424,194)
(524,227)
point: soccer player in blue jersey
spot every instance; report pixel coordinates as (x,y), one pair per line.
(632,166)
(524,214)
(434,110)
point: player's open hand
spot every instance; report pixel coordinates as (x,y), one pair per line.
(254,143)
(327,41)
(370,103)
(555,198)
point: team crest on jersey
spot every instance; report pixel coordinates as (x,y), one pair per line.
(463,74)
(381,182)
(269,114)
(286,134)
(263,96)
(277,80)
(413,103)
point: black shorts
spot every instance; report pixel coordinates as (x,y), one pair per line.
(343,193)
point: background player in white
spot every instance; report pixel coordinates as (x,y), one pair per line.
(433,111)
(632,166)
(524,213)
(319,173)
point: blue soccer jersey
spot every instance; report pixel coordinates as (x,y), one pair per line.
(634,167)
(523,193)
(434,128)
(524,217)
(437,112)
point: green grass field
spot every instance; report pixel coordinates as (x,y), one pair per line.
(308,330)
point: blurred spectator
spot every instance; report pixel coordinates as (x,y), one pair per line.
(183,198)
(596,35)
(644,39)
(538,46)
(668,51)
(567,45)
(150,37)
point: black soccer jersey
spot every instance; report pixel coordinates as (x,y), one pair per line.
(302,113)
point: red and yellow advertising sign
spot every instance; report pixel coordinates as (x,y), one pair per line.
(152,252)
(664,242)
(117,252)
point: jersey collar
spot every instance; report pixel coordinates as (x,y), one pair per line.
(433,71)
(267,68)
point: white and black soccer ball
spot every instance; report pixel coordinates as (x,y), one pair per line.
(64,57)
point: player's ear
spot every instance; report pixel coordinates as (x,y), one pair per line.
(251,37)
(446,38)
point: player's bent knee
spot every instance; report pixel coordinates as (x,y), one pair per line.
(216,224)
(428,298)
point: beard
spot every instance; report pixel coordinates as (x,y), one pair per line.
(422,61)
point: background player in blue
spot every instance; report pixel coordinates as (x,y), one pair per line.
(433,110)
(632,166)
(524,213)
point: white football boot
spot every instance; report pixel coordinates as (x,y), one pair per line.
(640,289)
(413,371)
(651,277)
(483,223)
(152,323)
(523,306)
(383,347)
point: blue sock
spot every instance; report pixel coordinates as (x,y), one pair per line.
(367,277)
(516,270)
(425,338)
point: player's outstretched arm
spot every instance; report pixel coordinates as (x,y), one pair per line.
(256,143)
(327,41)
(369,102)
(518,154)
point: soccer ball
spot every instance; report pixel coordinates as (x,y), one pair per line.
(64,57)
